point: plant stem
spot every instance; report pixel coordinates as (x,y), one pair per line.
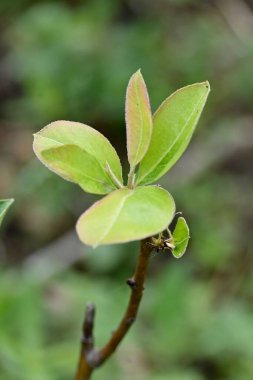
(136,284)
(131,178)
(91,358)
(84,370)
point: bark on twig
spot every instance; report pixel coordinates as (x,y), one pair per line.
(87,344)
(91,358)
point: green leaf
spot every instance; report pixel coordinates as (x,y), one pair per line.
(138,119)
(4,205)
(181,236)
(90,146)
(76,165)
(173,125)
(126,215)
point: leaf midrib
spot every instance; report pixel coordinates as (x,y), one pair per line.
(141,122)
(116,215)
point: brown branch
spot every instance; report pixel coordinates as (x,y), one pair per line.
(88,340)
(136,284)
(90,358)
(87,344)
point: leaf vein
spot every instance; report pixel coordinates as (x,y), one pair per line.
(141,122)
(110,226)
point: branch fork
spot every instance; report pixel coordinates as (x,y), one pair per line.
(90,357)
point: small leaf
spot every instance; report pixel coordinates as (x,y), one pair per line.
(76,165)
(181,238)
(173,125)
(4,205)
(126,215)
(91,148)
(138,119)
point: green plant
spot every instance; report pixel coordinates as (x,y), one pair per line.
(137,210)
(4,205)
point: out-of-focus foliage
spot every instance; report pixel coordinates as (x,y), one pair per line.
(72,60)
(82,72)
(185,328)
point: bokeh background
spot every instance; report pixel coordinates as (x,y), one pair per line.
(72,60)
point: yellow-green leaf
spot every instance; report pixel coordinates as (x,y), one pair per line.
(76,165)
(126,215)
(173,125)
(4,205)
(181,236)
(91,147)
(138,119)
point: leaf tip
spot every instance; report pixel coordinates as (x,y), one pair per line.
(207,85)
(137,74)
(4,206)
(8,202)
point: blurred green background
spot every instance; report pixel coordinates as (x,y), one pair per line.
(72,60)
